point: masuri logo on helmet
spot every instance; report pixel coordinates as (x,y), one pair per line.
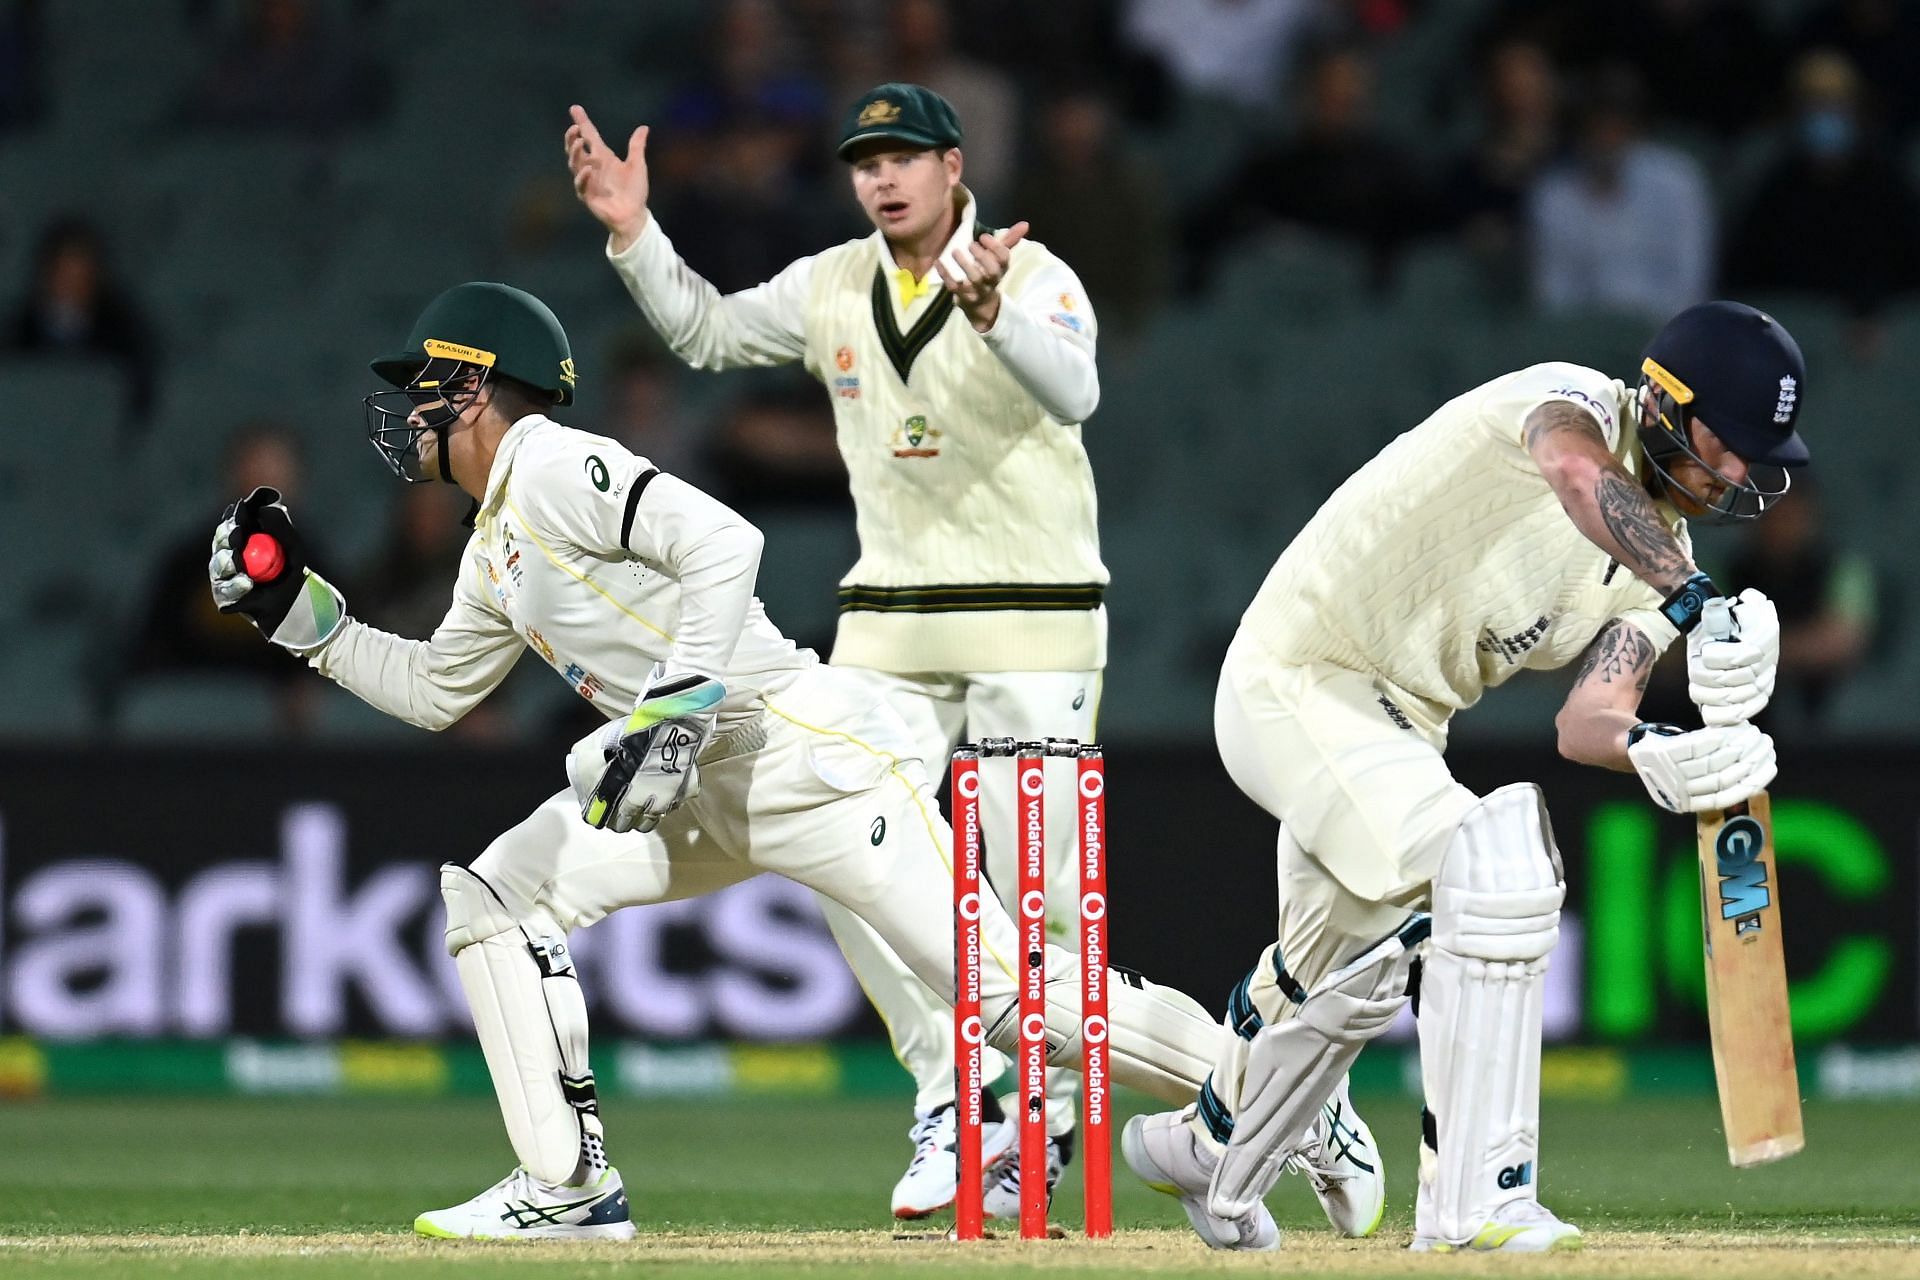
(472,332)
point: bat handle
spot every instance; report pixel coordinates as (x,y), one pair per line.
(1717,620)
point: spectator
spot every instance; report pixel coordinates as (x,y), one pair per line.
(1625,225)
(1826,597)
(75,306)
(1336,174)
(1090,202)
(182,630)
(776,448)
(1881,38)
(1240,50)
(283,70)
(1485,191)
(921,52)
(739,155)
(1835,215)
(404,589)
(645,410)
(1731,55)
(20,43)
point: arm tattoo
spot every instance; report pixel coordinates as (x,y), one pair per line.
(1619,652)
(1630,516)
(1556,416)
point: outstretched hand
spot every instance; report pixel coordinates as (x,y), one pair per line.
(613,188)
(980,268)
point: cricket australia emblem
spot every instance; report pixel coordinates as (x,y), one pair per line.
(914,439)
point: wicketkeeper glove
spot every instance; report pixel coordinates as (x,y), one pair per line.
(1709,768)
(1733,658)
(296,608)
(632,773)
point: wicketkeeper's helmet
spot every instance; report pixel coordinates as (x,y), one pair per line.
(469,334)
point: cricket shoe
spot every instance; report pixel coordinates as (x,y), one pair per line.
(1002,1196)
(1518,1226)
(521,1207)
(1165,1153)
(928,1184)
(1341,1161)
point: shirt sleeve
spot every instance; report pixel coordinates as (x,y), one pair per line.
(1044,335)
(764,325)
(430,683)
(1589,389)
(708,548)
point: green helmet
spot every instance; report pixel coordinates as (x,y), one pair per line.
(496,326)
(469,334)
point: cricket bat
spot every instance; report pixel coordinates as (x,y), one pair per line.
(1747,985)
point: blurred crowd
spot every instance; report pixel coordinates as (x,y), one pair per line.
(1627,156)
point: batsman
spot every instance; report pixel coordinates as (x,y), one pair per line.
(1532,522)
(727,752)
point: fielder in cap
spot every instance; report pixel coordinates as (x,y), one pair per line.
(960,362)
(1536,521)
(727,751)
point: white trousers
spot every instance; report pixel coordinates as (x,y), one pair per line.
(1026,706)
(825,788)
(1366,805)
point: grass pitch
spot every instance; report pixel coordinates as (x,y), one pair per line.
(318,1189)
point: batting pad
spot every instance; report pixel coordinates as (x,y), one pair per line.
(1496,918)
(1292,1067)
(531,1019)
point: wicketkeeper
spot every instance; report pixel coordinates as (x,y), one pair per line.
(728,751)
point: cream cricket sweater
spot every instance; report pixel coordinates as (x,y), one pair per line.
(1447,564)
(974,497)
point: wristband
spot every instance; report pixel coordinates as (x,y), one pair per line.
(1659,727)
(1684,607)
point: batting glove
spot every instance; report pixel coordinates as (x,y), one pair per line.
(634,772)
(1711,768)
(295,607)
(1733,660)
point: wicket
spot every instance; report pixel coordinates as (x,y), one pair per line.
(1030,1066)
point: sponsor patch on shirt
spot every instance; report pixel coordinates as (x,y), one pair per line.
(1066,321)
(1580,397)
(847,388)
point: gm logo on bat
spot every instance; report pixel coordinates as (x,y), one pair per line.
(1744,893)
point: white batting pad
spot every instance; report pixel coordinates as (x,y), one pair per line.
(1496,918)
(531,1019)
(1293,1066)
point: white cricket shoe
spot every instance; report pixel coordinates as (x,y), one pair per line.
(1342,1162)
(520,1207)
(1518,1226)
(1167,1155)
(1002,1196)
(928,1184)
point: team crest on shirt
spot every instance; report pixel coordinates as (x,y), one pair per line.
(914,438)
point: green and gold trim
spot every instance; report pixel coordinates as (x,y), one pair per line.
(904,348)
(973,597)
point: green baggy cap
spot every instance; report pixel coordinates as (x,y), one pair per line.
(909,112)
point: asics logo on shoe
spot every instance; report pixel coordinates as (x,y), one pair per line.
(1516,1175)
(528,1214)
(1343,1140)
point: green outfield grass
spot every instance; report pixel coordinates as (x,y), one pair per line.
(327,1188)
